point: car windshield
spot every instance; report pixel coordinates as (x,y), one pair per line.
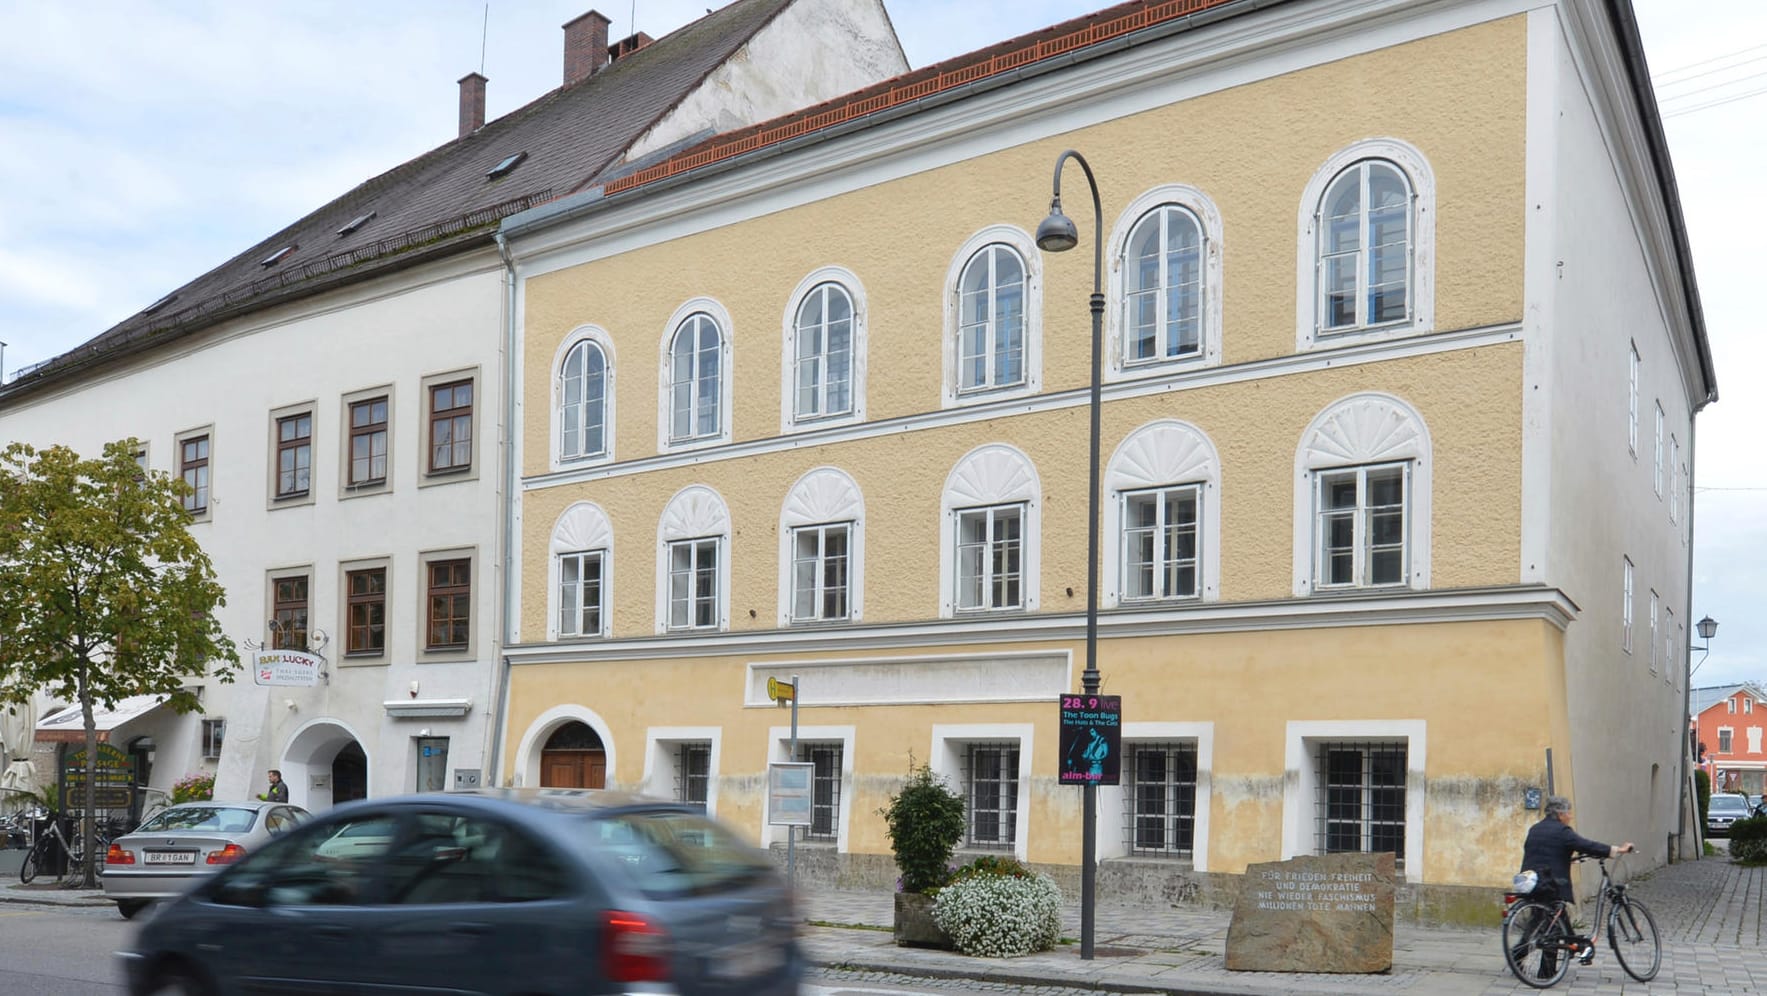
(220,819)
(1727,803)
(671,854)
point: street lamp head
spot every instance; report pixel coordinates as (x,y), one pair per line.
(1057,232)
(1707,627)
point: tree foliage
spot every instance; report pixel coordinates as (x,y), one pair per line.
(925,821)
(104,594)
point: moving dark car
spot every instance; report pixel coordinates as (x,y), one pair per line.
(540,892)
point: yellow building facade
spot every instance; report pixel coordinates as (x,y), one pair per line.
(821,411)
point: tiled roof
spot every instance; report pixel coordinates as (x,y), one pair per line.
(1701,699)
(442,201)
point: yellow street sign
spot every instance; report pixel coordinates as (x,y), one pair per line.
(780,691)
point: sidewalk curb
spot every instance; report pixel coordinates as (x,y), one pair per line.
(1028,980)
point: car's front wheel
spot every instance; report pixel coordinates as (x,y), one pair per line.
(129,907)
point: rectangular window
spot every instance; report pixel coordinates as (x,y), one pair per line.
(368,442)
(693,584)
(1361,526)
(990,558)
(214,731)
(193,467)
(825,789)
(1626,607)
(367,595)
(1674,480)
(579,593)
(1657,472)
(450,604)
(819,573)
(1632,406)
(1161,796)
(289,613)
(1669,654)
(294,455)
(1654,604)
(693,773)
(1724,739)
(991,784)
(1160,543)
(1748,707)
(450,426)
(1361,806)
(1730,706)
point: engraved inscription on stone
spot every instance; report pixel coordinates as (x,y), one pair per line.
(1325,913)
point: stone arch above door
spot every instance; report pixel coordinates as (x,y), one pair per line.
(530,754)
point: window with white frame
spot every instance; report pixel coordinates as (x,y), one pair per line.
(1160,798)
(990,780)
(696,379)
(1657,470)
(1748,707)
(1365,245)
(693,772)
(1674,480)
(1163,267)
(824,759)
(1626,605)
(1362,497)
(580,593)
(582,402)
(1654,606)
(1361,528)
(1160,558)
(1725,736)
(214,733)
(990,562)
(819,572)
(822,360)
(1632,403)
(1753,734)
(991,320)
(1730,706)
(693,570)
(1669,653)
(1361,801)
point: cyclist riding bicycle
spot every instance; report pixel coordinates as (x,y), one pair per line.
(1548,850)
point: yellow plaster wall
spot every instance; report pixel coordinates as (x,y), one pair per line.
(1458,97)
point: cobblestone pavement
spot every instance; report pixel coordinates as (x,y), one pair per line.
(1709,913)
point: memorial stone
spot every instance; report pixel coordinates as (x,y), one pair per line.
(1324,913)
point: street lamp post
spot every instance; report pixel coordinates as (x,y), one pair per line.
(1058,234)
(1707,628)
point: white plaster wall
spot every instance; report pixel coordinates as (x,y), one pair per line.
(812,51)
(394,331)
(1591,290)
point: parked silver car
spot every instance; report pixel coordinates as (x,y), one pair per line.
(186,842)
(1723,809)
(498,892)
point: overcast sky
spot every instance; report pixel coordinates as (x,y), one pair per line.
(142,144)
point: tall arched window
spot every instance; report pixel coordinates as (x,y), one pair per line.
(822,550)
(1163,287)
(581,572)
(1362,497)
(990,540)
(1367,245)
(1162,516)
(693,566)
(696,379)
(822,367)
(991,321)
(582,399)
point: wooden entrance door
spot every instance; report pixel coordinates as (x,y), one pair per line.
(573,758)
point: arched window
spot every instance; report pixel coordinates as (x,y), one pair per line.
(822,361)
(990,535)
(693,567)
(696,402)
(581,572)
(1368,244)
(991,321)
(822,550)
(1163,508)
(1163,287)
(1362,497)
(582,401)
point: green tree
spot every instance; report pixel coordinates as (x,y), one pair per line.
(104,594)
(925,821)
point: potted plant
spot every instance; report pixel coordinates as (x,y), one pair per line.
(925,821)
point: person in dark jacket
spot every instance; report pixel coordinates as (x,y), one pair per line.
(278,788)
(1548,849)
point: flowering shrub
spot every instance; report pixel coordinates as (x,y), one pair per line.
(994,915)
(198,786)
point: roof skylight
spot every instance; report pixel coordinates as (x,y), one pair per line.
(357,222)
(276,257)
(506,167)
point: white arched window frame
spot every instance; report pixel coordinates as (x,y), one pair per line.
(581,340)
(992,476)
(689,314)
(824,498)
(1310,320)
(1163,455)
(695,513)
(1020,243)
(1363,431)
(583,528)
(1186,205)
(818,287)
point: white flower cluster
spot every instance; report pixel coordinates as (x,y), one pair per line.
(1000,916)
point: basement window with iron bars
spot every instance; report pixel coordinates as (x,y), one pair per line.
(1361,804)
(1161,799)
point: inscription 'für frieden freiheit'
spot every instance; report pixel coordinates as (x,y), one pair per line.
(1315,892)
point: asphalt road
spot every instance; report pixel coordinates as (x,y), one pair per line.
(61,951)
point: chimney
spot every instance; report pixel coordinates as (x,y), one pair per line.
(585,46)
(626,46)
(472,103)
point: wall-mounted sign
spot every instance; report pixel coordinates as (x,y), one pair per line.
(287,667)
(788,793)
(1091,739)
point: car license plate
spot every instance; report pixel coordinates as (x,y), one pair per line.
(169,857)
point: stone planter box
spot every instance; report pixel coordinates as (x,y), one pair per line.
(914,923)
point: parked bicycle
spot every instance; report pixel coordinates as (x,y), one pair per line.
(1539,940)
(41,853)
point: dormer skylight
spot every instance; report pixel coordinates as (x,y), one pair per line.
(162,302)
(276,257)
(357,222)
(506,167)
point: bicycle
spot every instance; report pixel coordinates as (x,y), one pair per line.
(1539,941)
(75,850)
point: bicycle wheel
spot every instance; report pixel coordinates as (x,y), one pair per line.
(33,860)
(1534,937)
(1633,933)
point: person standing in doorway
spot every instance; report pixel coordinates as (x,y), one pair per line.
(278,788)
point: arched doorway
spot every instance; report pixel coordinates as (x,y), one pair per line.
(573,758)
(349,774)
(324,764)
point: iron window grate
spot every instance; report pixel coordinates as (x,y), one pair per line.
(693,770)
(825,790)
(990,778)
(1160,800)
(1361,805)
